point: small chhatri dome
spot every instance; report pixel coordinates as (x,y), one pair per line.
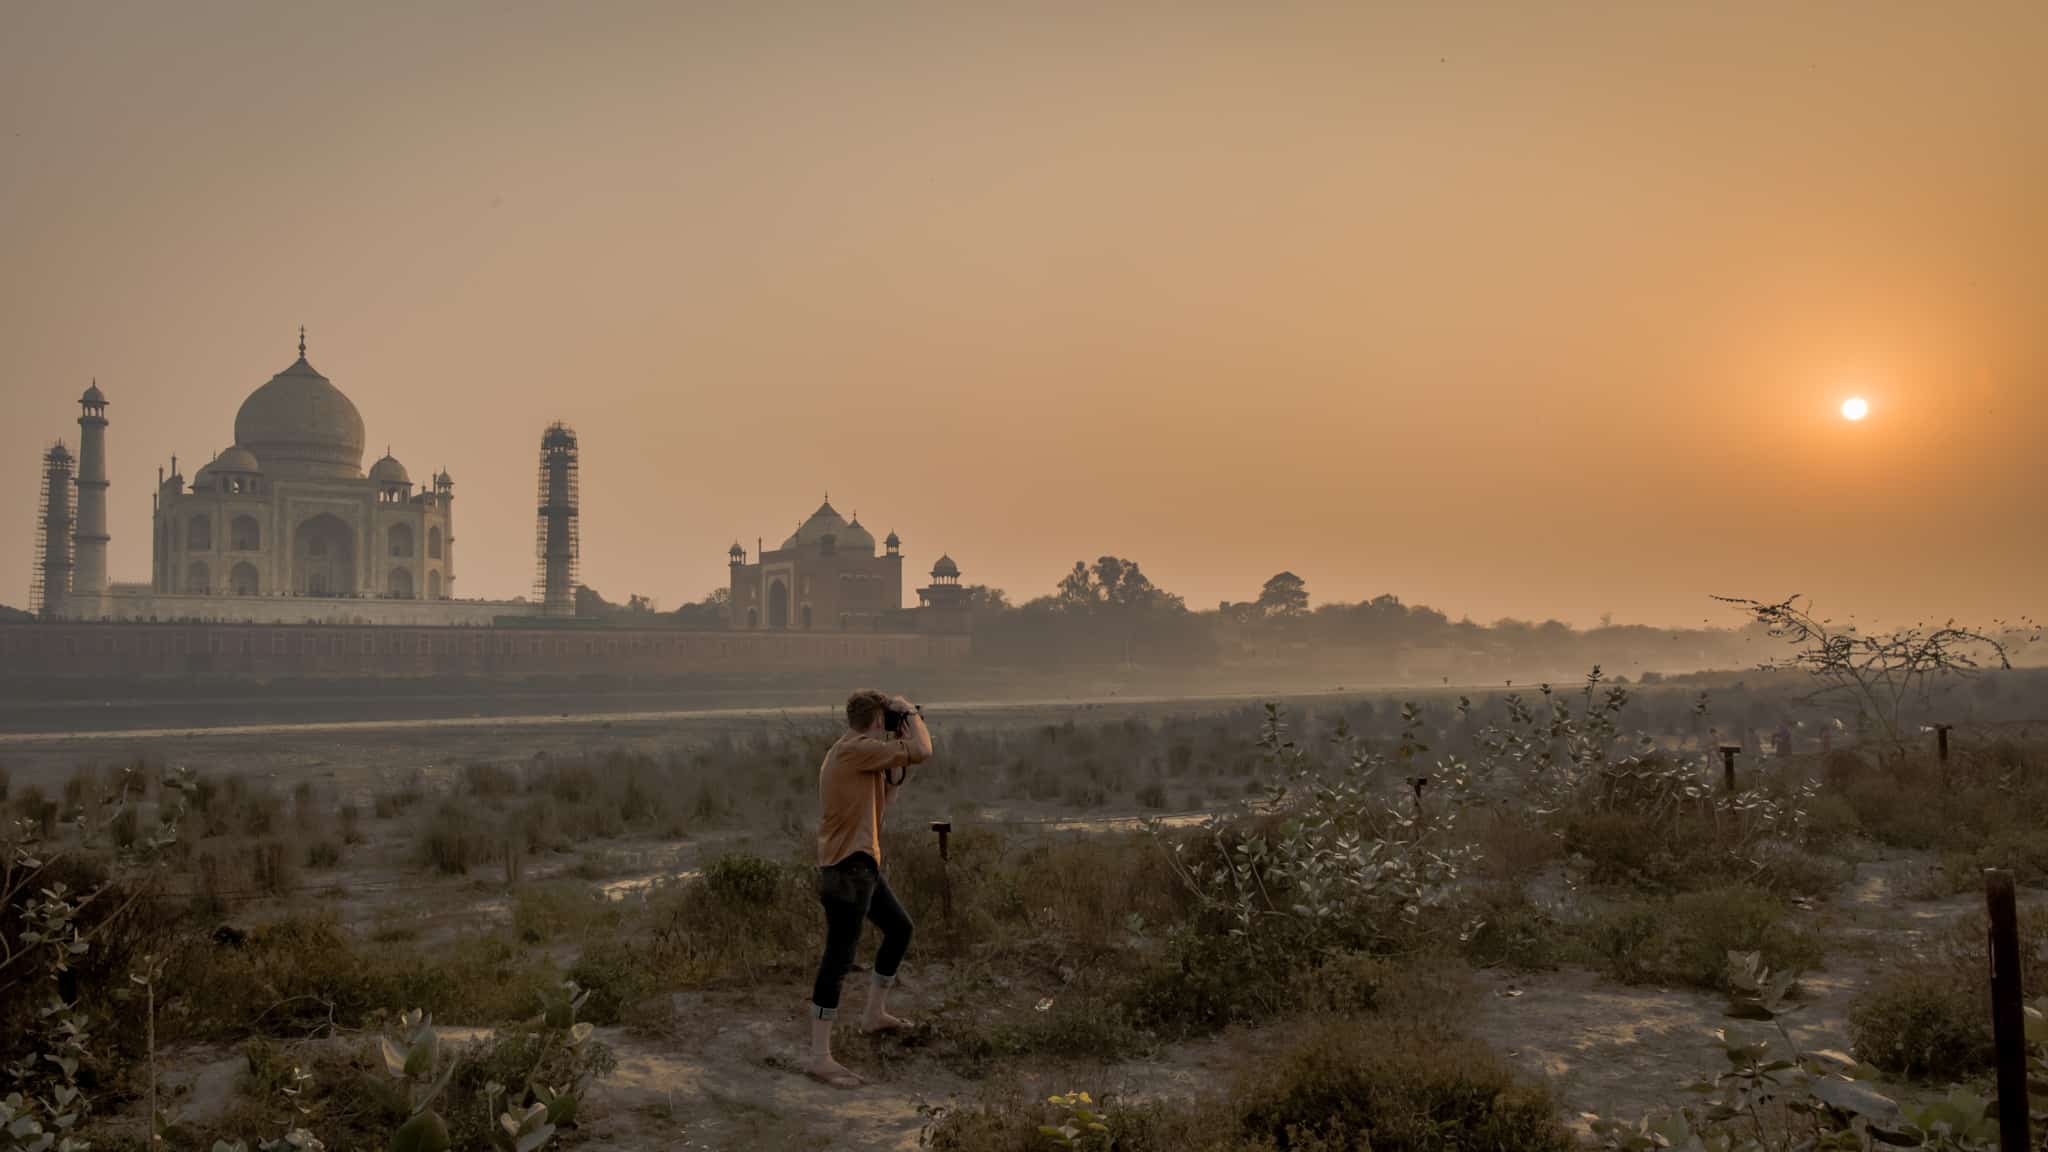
(856,538)
(893,540)
(945,567)
(93,395)
(301,424)
(736,552)
(824,522)
(389,471)
(235,459)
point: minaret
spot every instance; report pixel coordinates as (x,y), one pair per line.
(89,576)
(53,536)
(444,494)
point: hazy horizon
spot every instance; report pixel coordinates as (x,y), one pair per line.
(1508,311)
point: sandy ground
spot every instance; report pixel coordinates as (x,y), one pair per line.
(722,1074)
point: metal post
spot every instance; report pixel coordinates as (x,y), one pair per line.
(945,829)
(1728,752)
(2008,1015)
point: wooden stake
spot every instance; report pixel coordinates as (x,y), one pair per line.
(1728,752)
(2008,1013)
(945,829)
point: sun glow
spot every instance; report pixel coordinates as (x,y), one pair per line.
(1855,408)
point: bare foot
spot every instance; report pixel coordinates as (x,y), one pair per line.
(830,1071)
(883,1022)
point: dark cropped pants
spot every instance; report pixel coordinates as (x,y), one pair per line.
(852,891)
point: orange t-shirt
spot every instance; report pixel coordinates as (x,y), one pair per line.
(854,786)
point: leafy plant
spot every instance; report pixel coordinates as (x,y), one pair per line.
(1081,1126)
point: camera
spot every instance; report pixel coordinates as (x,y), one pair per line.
(893,719)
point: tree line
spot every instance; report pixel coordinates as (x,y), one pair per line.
(1110,612)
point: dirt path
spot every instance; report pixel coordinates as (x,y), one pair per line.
(1622,1050)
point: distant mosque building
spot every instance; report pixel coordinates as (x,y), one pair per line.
(826,577)
(283,525)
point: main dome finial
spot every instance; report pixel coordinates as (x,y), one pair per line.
(302,341)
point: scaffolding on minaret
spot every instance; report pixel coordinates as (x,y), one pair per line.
(554,538)
(53,556)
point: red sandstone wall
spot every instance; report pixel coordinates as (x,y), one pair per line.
(267,651)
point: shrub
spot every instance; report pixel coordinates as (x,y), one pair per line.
(746,917)
(1507,930)
(1386,1087)
(274,867)
(1687,939)
(480,778)
(1343,1087)
(1919,1020)
(616,976)
(450,841)
(1928,1013)
(323,853)
(351,818)
(741,879)
(389,805)
(1346,982)
(1622,848)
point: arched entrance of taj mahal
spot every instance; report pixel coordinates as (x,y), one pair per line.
(324,557)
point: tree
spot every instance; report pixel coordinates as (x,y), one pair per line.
(1285,594)
(982,598)
(712,612)
(1877,673)
(1113,582)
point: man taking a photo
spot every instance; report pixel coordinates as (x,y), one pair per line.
(861,773)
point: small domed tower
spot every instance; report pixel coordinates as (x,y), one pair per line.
(944,593)
(394,483)
(893,545)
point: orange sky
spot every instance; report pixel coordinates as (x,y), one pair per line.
(1540,310)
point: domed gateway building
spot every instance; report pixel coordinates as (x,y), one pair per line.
(826,577)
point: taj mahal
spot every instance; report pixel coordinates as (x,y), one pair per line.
(283,525)
(286,509)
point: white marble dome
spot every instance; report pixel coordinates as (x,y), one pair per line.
(300,424)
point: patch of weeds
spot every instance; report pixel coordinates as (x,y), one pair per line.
(1686,940)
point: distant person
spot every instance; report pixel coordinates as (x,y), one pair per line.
(859,778)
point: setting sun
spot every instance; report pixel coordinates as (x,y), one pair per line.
(1855,408)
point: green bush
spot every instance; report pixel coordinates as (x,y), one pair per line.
(450,842)
(743,880)
(1386,1087)
(616,976)
(1686,940)
(1920,1020)
(1928,1012)
(1347,1086)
